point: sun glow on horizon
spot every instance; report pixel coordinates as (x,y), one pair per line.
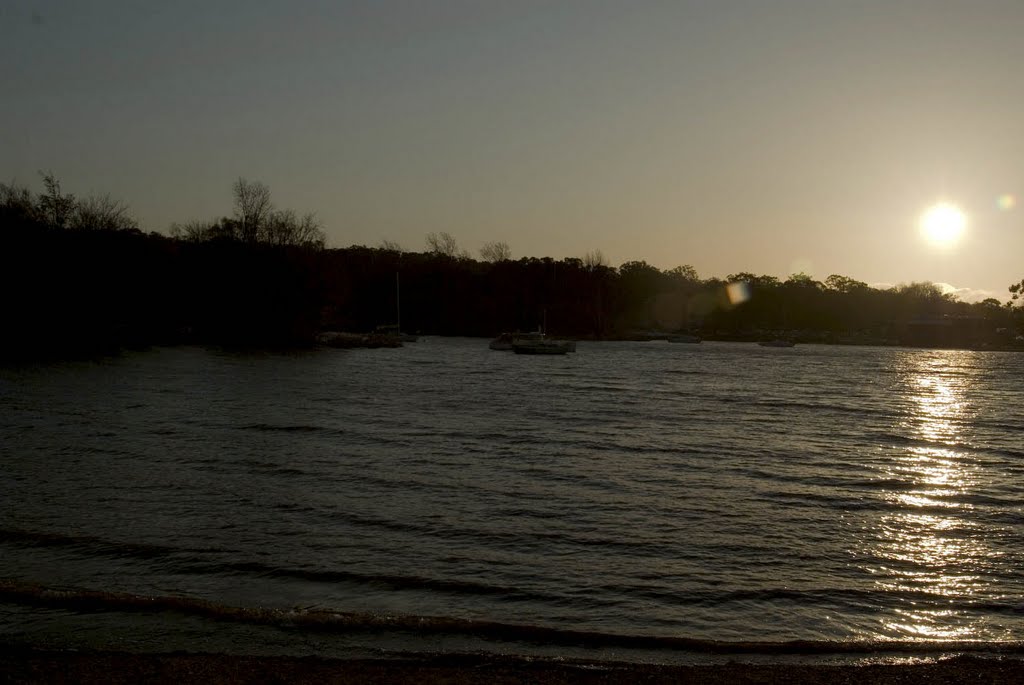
(943,224)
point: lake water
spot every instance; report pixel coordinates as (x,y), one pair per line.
(442,496)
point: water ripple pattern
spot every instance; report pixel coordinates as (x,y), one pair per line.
(718,491)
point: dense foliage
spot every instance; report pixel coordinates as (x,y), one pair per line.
(79,276)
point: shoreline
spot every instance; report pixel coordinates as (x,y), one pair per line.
(351,341)
(29,665)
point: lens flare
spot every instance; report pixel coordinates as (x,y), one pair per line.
(1006,202)
(738,292)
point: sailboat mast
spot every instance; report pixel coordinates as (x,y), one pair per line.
(398,303)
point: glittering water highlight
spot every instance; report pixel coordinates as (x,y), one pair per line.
(702,494)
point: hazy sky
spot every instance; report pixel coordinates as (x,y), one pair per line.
(770,136)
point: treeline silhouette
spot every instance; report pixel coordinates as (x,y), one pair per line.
(79,277)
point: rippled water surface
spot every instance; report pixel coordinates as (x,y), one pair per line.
(714,491)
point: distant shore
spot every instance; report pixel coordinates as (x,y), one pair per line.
(36,666)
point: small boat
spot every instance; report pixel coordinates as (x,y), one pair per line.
(535,342)
(506,341)
(395,332)
(502,343)
(683,338)
(776,343)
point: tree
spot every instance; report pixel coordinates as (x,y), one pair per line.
(991,308)
(1017,291)
(640,283)
(445,245)
(925,290)
(55,207)
(193,231)
(844,284)
(802,280)
(16,205)
(594,260)
(252,208)
(496,252)
(753,280)
(391,246)
(639,269)
(286,228)
(685,273)
(102,213)
(256,221)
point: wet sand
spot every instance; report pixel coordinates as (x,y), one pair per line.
(33,666)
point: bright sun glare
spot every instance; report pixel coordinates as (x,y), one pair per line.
(943,224)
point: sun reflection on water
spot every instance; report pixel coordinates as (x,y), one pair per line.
(924,547)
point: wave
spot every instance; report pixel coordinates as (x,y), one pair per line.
(214,563)
(268,427)
(205,562)
(896,439)
(322,620)
(210,562)
(827,405)
(97,545)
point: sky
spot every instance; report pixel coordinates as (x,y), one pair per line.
(769,136)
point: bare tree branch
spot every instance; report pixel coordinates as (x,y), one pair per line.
(252,208)
(594,260)
(16,203)
(102,213)
(496,252)
(194,231)
(285,227)
(55,207)
(444,244)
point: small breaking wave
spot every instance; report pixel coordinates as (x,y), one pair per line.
(324,620)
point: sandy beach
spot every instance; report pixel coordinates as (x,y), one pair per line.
(31,666)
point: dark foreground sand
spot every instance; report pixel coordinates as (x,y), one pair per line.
(31,666)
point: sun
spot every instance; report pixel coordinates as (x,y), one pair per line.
(943,224)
